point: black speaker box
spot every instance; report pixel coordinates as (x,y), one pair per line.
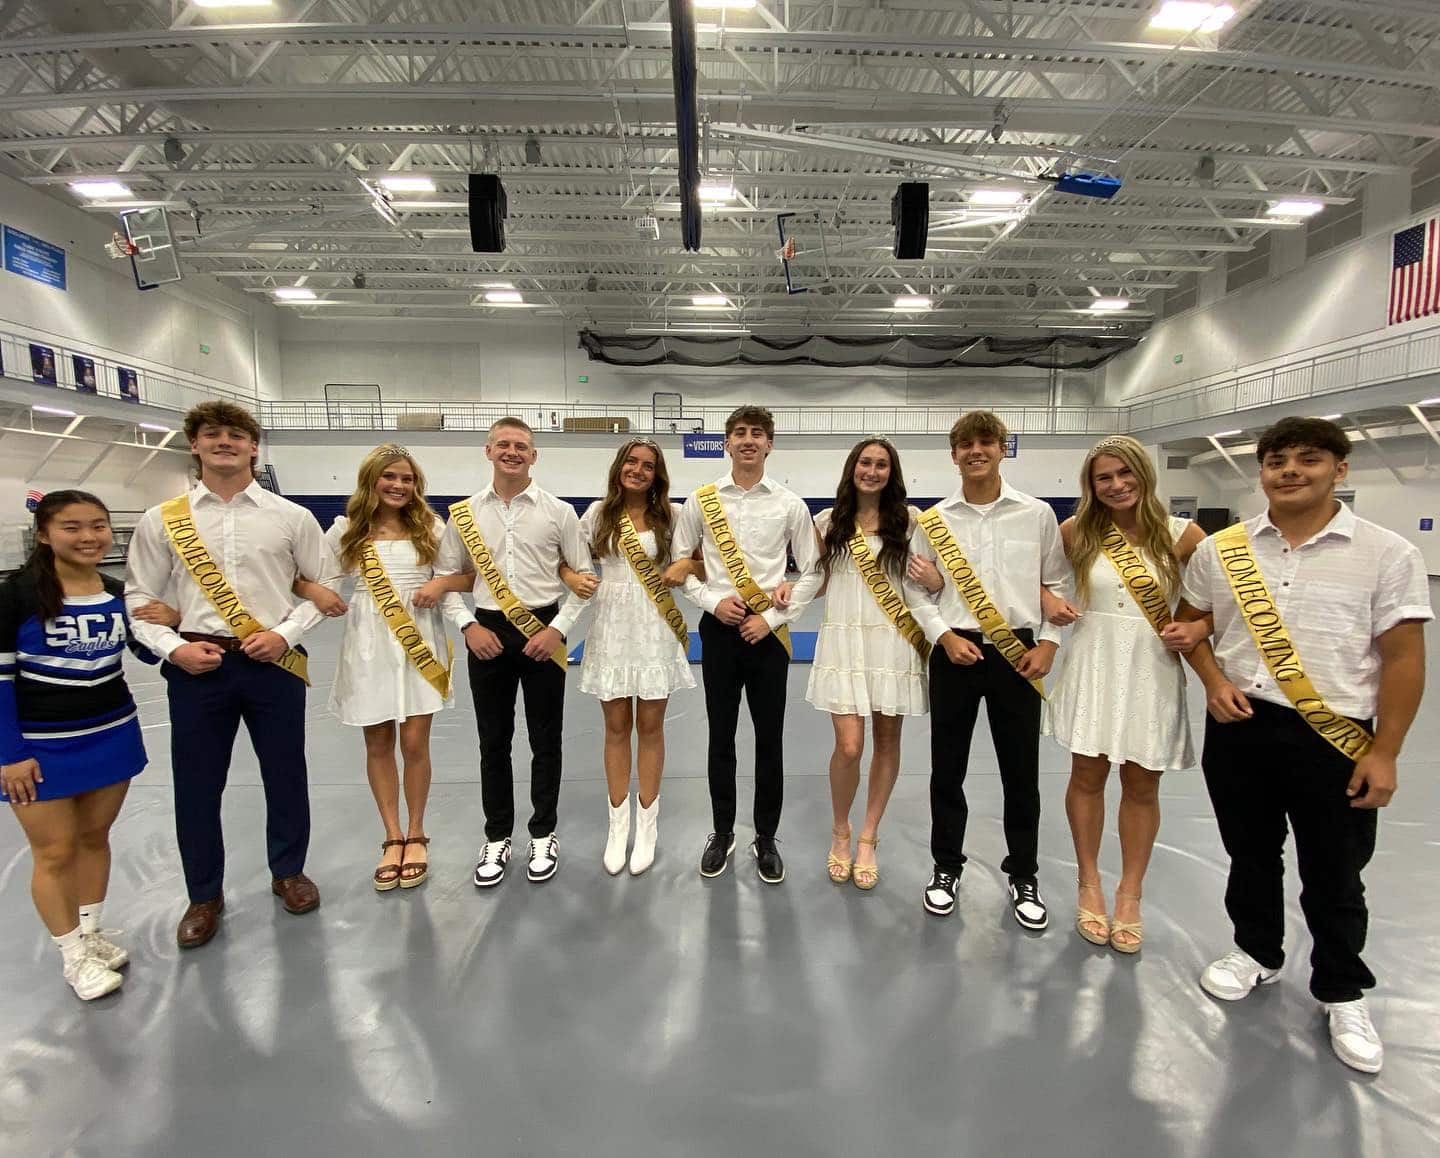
(1213,519)
(487,213)
(910,214)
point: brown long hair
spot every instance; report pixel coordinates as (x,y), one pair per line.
(40,565)
(1092,518)
(894,524)
(658,511)
(416,515)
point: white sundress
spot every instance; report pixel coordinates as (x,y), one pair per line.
(375,682)
(629,649)
(1119,692)
(862,664)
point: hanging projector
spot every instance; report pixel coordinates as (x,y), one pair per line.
(1084,184)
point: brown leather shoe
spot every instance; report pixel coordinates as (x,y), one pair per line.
(298,893)
(200,922)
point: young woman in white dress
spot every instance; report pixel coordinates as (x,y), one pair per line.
(377,687)
(633,660)
(863,666)
(1120,695)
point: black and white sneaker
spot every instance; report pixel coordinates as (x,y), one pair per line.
(940,892)
(767,860)
(1026,904)
(544,857)
(494,857)
(718,847)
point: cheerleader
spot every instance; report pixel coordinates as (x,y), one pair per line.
(634,654)
(69,738)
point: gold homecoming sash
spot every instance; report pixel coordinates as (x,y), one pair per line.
(1262,617)
(510,606)
(1144,588)
(890,600)
(650,579)
(402,626)
(179,523)
(755,599)
(967,583)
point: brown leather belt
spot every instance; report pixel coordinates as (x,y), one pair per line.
(223,642)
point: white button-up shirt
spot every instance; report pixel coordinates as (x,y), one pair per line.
(1336,592)
(765,519)
(528,537)
(1014,546)
(259,541)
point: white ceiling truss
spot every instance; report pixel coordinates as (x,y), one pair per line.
(812,107)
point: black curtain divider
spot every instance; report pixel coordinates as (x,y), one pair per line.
(687,121)
(905,351)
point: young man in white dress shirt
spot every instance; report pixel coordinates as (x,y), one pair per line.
(741,652)
(259,541)
(529,532)
(1353,599)
(1012,541)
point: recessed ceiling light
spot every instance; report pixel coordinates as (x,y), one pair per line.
(1330,417)
(234,3)
(100,189)
(271,246)
(493,284)
(1128,257)
(1191,16)
(501,297)
(1429,402)
(1294,208)
(717,191)
(156,427)
(407,183)
(1227,433)
(1110,305)
(912,302)
(996,196)
(725,3)
(711,300)
(55,410)
(294,293)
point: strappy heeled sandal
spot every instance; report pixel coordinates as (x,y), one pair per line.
(867,876)
(1084,917)
(839,869)
(414,872)
(387,876)
(1134,929)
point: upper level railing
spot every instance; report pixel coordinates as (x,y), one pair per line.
(1293,379)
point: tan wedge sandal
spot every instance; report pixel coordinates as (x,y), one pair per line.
(414,872)
(387,876)
(1085,920)
(867,876)
(838,869)
(1135,929)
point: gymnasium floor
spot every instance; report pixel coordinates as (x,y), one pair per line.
(672,1015)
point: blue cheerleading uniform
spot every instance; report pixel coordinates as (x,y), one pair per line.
(63,697)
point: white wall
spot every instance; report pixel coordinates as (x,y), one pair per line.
(576,465)
(101,311)
(540,361)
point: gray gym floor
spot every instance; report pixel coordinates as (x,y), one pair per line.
(674,1015)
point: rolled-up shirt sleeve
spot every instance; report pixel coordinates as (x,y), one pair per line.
(1404,591)
(147,576)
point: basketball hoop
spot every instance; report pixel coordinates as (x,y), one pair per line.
(120,247)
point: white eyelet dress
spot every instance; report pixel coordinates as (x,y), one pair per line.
(375,682)
(862,664)
(630,650)
(1119,693)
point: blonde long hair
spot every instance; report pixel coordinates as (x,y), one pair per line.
(416,516)
(1092,518)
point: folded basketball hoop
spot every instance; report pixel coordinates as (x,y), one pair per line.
(120,247)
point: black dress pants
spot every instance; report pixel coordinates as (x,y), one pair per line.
(1013,709)
(729,666)
(493,684)
(1262,772)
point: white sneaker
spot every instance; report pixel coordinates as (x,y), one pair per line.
(90,979)
(104,950)
(544,857)
(618,837)
(1234,975)
(493,858)
(647,832)
(1353,1036)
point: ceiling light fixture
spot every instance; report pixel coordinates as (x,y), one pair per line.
(1110,305)
(710,301)
(1191,16)
(996,196)
(55,410)
(1227,433)
(502,297)
(717,190)
(1330,417)
(156,427)
(912,302)
(234,3)
(737,4)
(294,293)
(1429,402)
(1294,208)
(408,183)
(100,189)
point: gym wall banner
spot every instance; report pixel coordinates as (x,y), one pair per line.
(30,257)
(42,364)
(704,445)
(129,383)
(84,373)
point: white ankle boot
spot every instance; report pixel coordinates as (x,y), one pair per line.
(619,836)
(647,822)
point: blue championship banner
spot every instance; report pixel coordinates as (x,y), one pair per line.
(30,257)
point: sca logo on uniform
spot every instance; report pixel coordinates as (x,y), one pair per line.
(81,634)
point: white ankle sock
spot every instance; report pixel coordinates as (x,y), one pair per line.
(71,945)
(90,917)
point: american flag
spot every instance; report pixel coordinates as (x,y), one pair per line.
(1415,273)
(32,499)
